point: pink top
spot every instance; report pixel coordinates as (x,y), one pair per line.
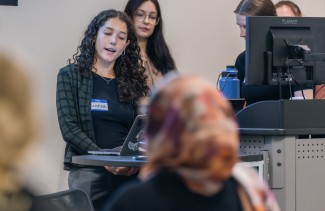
(152,73)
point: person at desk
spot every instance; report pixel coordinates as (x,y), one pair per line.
(287,9)
(148,24)
(96,100)
(259,8)
(290,9)
(192,148)
(249,8)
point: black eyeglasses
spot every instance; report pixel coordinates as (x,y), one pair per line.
(141,15)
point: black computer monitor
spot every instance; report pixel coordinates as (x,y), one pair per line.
(285,51)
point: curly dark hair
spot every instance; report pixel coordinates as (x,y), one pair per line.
(129,73)
(157,48)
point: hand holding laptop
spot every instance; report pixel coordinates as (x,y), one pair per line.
(121,170)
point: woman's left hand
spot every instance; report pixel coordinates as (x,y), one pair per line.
(121,170)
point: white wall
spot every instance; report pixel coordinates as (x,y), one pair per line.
(311,8)
(202,36)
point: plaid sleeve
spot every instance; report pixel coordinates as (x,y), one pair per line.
(68,116)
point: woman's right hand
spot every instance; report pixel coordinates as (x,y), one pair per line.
(122,170)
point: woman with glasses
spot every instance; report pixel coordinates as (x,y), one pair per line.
(148,24)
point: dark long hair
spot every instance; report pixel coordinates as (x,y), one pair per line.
(157,49)
(256,8)
(129,73)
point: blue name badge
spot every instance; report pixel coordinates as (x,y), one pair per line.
(99,105)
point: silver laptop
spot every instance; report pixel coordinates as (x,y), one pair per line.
(133,144)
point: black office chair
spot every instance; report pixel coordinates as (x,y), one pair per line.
(72,199)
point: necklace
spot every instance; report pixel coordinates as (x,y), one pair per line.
(107,81)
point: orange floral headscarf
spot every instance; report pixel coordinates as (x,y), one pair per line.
(191,130)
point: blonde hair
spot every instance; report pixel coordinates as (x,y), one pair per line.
(17,125)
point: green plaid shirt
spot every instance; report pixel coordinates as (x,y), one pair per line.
(73,101)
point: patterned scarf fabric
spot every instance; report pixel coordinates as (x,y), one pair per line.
(191,130)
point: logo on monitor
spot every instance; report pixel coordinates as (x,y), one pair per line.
(289,21)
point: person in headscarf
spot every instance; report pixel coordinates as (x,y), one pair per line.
(192,151)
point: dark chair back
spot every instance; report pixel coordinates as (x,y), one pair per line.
(72,199)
